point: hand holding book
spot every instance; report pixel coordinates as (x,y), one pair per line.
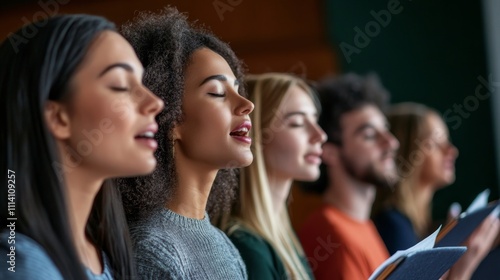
(477,228)
(479,244)
(460,228)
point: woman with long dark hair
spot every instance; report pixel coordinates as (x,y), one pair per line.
(74,114)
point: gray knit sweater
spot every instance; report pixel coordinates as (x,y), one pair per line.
(171,246)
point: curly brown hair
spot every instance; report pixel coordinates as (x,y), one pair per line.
(164,43)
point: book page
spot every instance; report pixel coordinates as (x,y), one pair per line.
(427,243)
(479,202)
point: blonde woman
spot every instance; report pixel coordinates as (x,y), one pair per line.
(286,146)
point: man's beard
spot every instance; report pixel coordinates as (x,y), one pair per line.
(370,175)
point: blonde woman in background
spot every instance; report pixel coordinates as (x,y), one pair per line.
(286,146)
(426,163)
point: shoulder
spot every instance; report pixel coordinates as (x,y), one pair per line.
(259,256)
(396,230)
(155,244)
(245,239)
(391,218)
(227,242)
(154,235)
(157,257)
(323,221)
(394,224)
(25,259)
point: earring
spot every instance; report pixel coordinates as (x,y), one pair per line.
(173,148)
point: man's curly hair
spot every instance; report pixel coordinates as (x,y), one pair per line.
(164,43)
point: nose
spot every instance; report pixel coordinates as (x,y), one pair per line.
(391,141)
(452,150)
(243,105)
(318,134)
(151,104)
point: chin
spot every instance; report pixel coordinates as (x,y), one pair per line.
(247,159)
(309,177)
(247,162)
(242,161)
(444,182)
(449,180)
(146,167)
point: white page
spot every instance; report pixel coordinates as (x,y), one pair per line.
(479,202)
(427,243)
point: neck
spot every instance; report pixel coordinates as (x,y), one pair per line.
(194,183)
(82,186)
(279,188)
(81,194)
(423,196)
(352,197)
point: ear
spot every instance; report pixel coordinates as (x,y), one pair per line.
(176,132)
(330,153)
(57,120)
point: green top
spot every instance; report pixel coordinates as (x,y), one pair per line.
(260,258)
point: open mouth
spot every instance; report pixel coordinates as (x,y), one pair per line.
(241,133)
(146,135)
(147,138)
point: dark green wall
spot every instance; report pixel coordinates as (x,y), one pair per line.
(430,52)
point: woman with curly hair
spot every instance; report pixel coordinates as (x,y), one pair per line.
(75,115)
(203,131)
(287,147)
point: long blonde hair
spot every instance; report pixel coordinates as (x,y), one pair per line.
(409,125)
(255,210)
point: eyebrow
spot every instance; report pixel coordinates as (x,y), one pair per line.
(125,66)
(363,127)
(368,125)
(297,113)
(220,78)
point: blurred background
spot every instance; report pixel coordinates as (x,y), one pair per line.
(442,53)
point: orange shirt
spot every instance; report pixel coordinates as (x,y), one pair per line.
(339,247)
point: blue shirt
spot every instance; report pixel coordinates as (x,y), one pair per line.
(29,260)
(396,230)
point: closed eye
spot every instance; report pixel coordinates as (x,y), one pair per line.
(370,135)
(217,94)
(296,125)
(120,89)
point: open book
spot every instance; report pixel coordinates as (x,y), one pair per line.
(460,228)
(422,261)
